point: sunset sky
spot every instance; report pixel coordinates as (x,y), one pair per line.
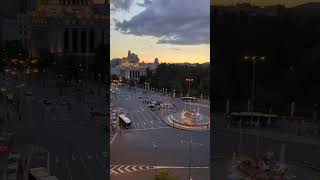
(288,3)
(170,30)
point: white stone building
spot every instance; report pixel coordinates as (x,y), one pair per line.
(130,67)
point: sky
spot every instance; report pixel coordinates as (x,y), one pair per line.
(288,3)
(174,31)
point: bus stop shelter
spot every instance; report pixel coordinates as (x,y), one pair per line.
(251,119)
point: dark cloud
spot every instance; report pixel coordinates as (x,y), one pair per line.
(146,3)
(184,22)
(121,4)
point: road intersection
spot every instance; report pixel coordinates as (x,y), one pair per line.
(151,144)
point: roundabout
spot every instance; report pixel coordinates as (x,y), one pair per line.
(188,120)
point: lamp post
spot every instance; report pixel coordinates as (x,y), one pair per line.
(155,160)
(254,60)
(189,80)
(190,142)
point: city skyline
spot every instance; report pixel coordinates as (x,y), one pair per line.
(287,3)
(178,38)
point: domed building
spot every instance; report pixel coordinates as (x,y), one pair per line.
(130,67)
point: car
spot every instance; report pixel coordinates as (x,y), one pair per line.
(139,97)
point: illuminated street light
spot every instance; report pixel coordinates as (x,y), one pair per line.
(189,80)
(253,59)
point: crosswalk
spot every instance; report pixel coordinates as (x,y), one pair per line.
(145,119)
(121,169)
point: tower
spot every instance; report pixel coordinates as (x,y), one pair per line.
(156,61)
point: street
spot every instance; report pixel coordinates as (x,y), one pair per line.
(151,145)
(72,143)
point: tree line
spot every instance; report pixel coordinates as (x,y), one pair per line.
(173,77)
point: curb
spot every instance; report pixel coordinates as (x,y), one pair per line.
(179,127)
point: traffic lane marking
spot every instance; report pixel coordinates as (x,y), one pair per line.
(138,119)
(146,120)
(154,121)
(145,129)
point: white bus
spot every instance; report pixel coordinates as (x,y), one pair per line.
(124,121)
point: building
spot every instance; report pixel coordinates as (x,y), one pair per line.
(63,28)
(130,67)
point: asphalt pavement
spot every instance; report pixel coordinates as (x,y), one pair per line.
(74,144)
(151,144)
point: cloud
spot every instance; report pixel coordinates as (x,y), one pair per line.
(146,3)
(121,5)
(183,22)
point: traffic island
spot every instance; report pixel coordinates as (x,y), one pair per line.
(188,120)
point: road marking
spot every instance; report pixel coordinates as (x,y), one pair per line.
(68,169)
(113,138)
(138,119)
(146,129)
(181,167)
(121,169)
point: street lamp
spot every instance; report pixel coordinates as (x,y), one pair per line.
(190,142)
(155,160)
(253,59)
(189,80)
